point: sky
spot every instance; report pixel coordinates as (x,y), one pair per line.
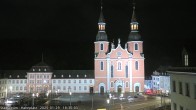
(64,31)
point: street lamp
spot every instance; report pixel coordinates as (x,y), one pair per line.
(10,90)
(108,102)
(70,95)
(33,99)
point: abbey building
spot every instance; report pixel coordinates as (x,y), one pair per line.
(116,69)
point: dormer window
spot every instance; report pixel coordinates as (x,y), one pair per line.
(62,76)
(69,76)
(119,54)
(25,76)
(10,76)
(77,75)
(85,75)
(45,69)
(33,69)
(39,69)
(54,76)
(17,76)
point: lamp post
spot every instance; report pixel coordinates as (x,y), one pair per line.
(33,99)
(70,95)
(108,102)
(10,91)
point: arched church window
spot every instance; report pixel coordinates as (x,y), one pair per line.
(136,65)
(101,65)
(101,46)
(126,71)
(136,46)
(112,71)
(112,84)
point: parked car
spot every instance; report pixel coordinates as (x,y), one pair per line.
(11,101)
(130,99)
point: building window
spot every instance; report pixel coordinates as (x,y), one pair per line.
(64,87)
(112,71)
(20,87)
(77,75)
(180,88)
(181,108)
(187,88)
(136,46)
(101,65)
(21,81)
(126,71)
(174,86)
(74,81)
(112,84)
(136,65)
(90,81)
(69,81)
(79,87)
(85,75)
(25,88)
(175,107)
(54,81)
(74,87)
(17,81)
(79,81)
(119,66)
(195,90)
(64,81)
(127,84)
(101,46)
(85,88)
(59,81)
(84,81)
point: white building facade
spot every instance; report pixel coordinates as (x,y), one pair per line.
(183,88)
(160,83)
(42,79)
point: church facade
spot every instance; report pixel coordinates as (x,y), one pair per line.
(119,69)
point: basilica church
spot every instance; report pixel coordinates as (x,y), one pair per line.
(116,69)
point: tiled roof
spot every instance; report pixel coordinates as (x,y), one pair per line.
(73,74)
(14,74)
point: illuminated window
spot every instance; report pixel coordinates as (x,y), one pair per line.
(112,71)
(136,65)
(186,60)
(33,69)
(101,65)
(45,69)
(119,66)
(62,76)
(136,46)
(39,69)
(126,71)
(101,46)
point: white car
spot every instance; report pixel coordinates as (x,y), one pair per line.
(11,101)
(121,98)
(130,99)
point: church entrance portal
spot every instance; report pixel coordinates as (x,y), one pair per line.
(119,89)
(136,88)
(102,90)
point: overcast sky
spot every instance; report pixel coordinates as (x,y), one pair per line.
(65,31)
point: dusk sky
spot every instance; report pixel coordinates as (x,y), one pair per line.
(65,31)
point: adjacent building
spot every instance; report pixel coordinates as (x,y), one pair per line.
(160,83)
(183,88)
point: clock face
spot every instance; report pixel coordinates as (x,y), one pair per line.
(119,54)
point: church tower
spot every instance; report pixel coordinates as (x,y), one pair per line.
(185,59)
(101,49)
(135,47)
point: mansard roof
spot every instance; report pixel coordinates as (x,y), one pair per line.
(41,67)
(73,74)
(14,74)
